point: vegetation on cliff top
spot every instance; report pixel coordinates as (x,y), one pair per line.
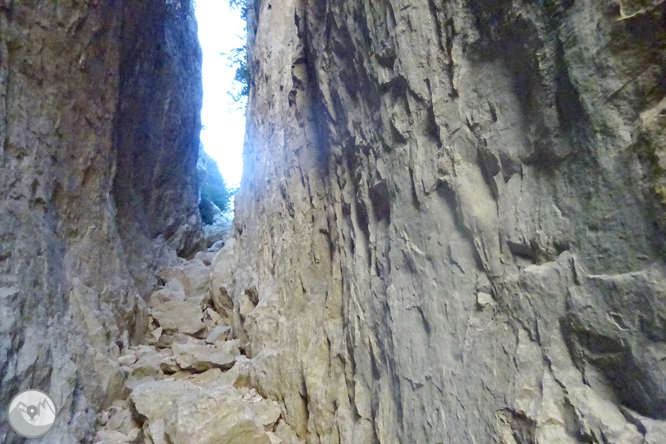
(237,58)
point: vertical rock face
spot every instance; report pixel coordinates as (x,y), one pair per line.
(98,143)
(451,223)
(157,130)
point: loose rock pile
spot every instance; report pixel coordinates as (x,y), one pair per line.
(190,383)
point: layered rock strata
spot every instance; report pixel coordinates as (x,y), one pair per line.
(451,222)
(99,107)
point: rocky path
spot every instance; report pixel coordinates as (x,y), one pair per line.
(190,383)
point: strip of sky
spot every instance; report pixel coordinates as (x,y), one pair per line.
(221,29)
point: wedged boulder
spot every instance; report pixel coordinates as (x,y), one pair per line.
(194,275)
(173,290)
(216,233)
(153,365)
(182,316)
(216,415)
(201,357)
(237,376)
(154,400)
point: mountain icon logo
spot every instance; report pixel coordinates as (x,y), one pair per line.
(32,413)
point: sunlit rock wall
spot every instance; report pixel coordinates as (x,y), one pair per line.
(451,220)
(99,125)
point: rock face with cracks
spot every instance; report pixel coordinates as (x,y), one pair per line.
(97,190)
(450,227)
(451,222)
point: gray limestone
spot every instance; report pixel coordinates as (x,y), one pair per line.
(452,216)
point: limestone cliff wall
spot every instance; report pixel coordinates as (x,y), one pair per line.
(99,106)
(451,222)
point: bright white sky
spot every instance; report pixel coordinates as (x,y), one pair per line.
(220,30)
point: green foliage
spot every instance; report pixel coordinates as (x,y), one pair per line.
(219,195)
(214,194)
(237,58)
(213,188)
(240,5)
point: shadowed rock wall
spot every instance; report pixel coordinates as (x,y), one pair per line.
(98,144)
(451,222)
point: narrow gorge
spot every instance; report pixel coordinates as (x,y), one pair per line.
(451,226)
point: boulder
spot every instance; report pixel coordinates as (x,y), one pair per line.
(202,357)
(173,290)
(214,416)
(216,233)
(182,316)
(194,275)
(150,365)
(154,400)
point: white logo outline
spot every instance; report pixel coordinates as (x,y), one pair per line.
(24,426)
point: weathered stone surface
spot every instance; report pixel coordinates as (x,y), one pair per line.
(126,360)
(267,412)
(452,217)
(222,280)
(122,422)
(287,434)
(214,416)
(212,376)
(97,188)
(220,333)
(154,431)
(451,226)
(194,276)
(274,438)
(155,399)
(154,365)
(202,357)
(181,316)
(112,437)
